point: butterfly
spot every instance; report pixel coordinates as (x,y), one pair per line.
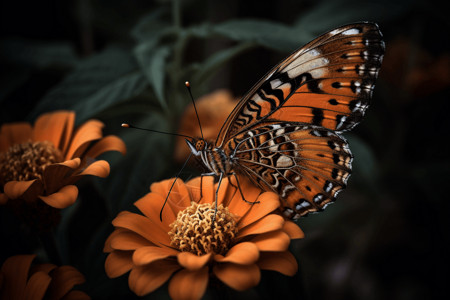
(285,133)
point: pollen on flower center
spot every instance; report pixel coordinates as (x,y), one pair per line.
(27,161)
(193,230)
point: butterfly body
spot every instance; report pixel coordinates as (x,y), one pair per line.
(285,133)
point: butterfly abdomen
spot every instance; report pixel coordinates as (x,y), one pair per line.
(216,161)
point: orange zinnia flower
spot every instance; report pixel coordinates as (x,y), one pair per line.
(40,164)
(213,110)
(244,238)
(20,280)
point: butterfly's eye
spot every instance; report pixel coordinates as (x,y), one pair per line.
(200,145)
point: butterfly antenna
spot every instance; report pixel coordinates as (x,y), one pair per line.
(173,183)
(127,125)
(188,85)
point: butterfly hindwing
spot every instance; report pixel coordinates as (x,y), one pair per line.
(305,165)
(327,83)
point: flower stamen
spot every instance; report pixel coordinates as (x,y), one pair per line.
(27,161)
(198,231)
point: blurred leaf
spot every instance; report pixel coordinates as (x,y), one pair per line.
(37,54)
(265,33)
(151,25)
(96,84)
(153,63)
(330,14)
(213,63)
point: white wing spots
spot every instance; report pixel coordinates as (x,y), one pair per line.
(341,122)
(284,162)
(374,71)
(303,204)
(328,187)
(334,32)
(279,132)
(286,189)
(345,178)
(318,198)
(308,62)
(272,146)
(351,31)
(278,84)
(275,83)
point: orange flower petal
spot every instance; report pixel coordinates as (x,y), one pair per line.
(202,186)
(243,254)
(146,279)
(179,197)
(55,127)
(146,255)
(37,286)
(15,189)
(268,223)
(46,268)
(108,143)
(64,279)
(16,133)
(293,230)
(98,168)
(142,226)
(193,262)
(272,241)
(194,186)
(268,202)
(283,262)
(188,284)
(118,263)
(150,205)
(127,240)
(238,277)
(65,197)
(15,270)
(57,175)
(85,134)
(107,248)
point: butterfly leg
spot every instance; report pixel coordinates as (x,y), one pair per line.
(217,196)
(240,190)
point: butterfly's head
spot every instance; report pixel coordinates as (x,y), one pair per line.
(197,145)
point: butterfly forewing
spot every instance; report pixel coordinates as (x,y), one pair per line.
(326,83)
(305,165)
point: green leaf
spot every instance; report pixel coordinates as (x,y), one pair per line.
(96,84)
(331,14)
(265,33)
(206,69)
(153,63)
(151,25)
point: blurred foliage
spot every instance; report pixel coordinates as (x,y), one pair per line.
(127,61)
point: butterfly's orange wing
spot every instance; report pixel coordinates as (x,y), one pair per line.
(285,133)
(327,83)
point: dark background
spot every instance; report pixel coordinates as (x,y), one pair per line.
(386,236)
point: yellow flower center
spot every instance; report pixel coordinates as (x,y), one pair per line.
(196,230)
(27,161)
